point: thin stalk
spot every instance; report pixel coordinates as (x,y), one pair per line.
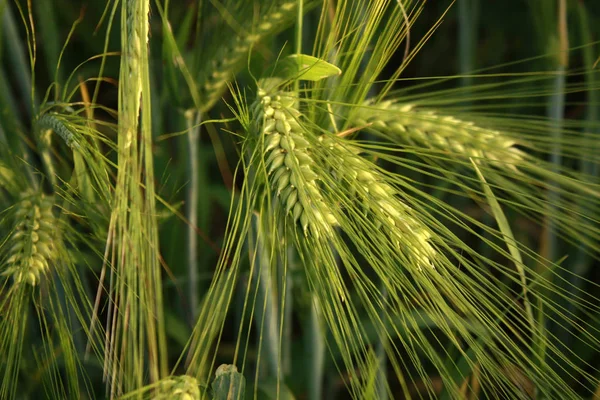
(193,120)
(20,68)
(11,123)
(468,12)
(299,20)
(382,375)
(16,57)
(266,314)
(555,112)
(315,348)
(592,115)
(287,307)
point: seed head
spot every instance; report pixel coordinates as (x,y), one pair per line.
(289,162)
(427,128)
(380,201)
(31,248)
(182,387)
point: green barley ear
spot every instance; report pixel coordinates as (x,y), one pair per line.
(136,343)
(31,250)
(370,188)
(53,122)
(230,57)
(423,127)
(287,150)
(183,387)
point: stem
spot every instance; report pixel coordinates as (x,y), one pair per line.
(299,26)
(299,19)
(315,348)
(266,313)
(193,120)
(467,30)
(287,307)
(555,112)
(592,115)
(382,376)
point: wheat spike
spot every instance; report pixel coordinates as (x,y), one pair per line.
(380,200)
(427,128)
(230,57)
(289,162)
(31,248)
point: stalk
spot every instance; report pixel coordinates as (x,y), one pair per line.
(468,11)
(20,68)
(592,115)
(555,111)
(10,122)
(382,375)
(193,128)
(136,343)
(266,313)
(315,348)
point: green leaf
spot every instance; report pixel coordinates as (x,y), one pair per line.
(305,67)
(228,383)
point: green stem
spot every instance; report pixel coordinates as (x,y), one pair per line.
(193,120)
(382,376)
(592,113)
(266,314)
(300,18)
(315,348)
(467,32)
(555,112)
(287,307)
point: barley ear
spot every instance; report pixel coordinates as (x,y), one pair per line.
(380,201)
(183,387)
(231,56)
(52,122)
(290,165)
(423,127)
(31,249)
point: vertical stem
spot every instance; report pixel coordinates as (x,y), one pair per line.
(382,376)
(299,20)
(555,112)
(315,348)
(19,68)
(467,32)
(266,314)
(193,120)
(592,115)
(287,307)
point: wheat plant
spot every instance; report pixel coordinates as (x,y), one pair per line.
(233,199)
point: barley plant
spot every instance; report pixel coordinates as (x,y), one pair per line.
(312,199)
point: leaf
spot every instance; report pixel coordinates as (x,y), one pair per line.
(228,383)
(305,67)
